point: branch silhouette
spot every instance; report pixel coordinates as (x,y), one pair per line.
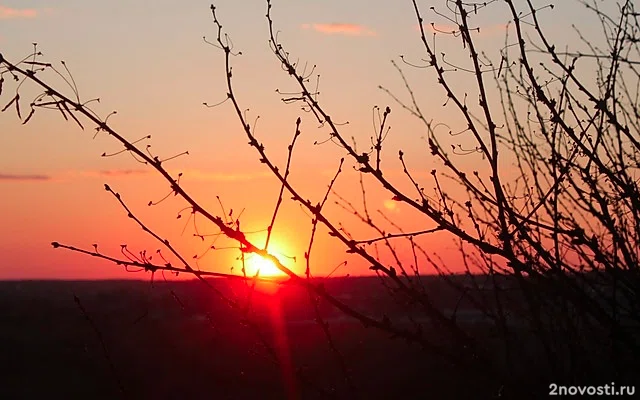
(535,183)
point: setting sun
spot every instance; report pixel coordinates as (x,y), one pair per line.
(265,267)
(279,248)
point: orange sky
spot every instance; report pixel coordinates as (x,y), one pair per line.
(151,65)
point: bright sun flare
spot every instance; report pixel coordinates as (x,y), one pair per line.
(266,267)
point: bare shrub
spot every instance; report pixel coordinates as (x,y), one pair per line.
(546,216)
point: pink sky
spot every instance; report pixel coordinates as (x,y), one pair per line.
(151,65)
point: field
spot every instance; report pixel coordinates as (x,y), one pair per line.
(175,340)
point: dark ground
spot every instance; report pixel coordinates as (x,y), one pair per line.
(177,340)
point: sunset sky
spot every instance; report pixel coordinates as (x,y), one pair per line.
(149,63)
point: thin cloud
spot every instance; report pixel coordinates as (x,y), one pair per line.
(123,172)
(190,174)
(341,29)
(24,178)
(110,173)
(14,13)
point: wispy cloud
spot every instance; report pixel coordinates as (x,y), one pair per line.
(341,29)
(112,173)
(123,172)
(9,13)
(71,175)
(24,177)
(189,174)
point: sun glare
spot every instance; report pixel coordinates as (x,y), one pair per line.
(255,263)
(266,267)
